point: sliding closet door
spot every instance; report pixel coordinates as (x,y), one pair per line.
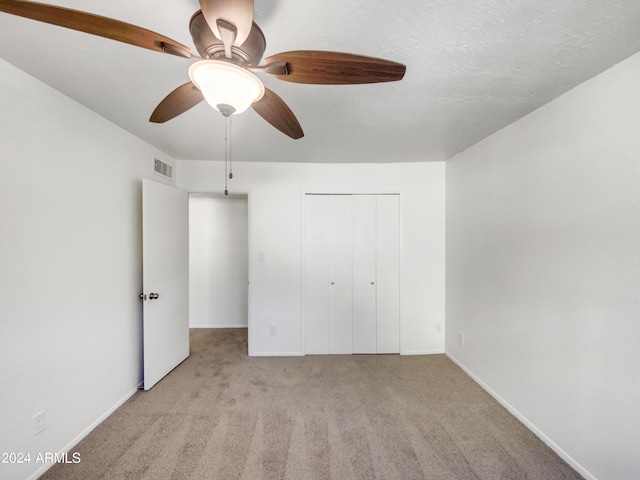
(388,273)
(364,274)
(316,274)
(340,274)
(352,274)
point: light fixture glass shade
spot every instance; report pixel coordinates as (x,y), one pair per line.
(224,85)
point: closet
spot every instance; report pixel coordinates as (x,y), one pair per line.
(351,274)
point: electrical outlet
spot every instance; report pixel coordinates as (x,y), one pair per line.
(273,329)
(38,423)
(461,339)
(439,327)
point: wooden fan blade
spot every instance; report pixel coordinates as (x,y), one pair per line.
(237,12)
(273,109)
(177,102)
(95,25)
(335,68)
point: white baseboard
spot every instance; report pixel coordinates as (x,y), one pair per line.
(550,443)
(86,431)
(218,326)
(422,352)
(276,354)
(300,354)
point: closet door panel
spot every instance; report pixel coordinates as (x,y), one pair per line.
(388,273)
(364,274)
(316,274)
(340,274)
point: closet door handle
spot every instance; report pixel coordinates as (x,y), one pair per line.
(373,283)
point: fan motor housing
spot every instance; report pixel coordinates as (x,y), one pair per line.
(211,47)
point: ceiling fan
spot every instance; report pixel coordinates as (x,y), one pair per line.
(231,46)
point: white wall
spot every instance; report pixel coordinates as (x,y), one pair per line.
(70,266)
(218,257)
(543,270)
(275,214)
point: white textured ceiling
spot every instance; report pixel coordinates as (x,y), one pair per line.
(473,66)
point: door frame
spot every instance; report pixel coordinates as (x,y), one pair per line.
(250,250)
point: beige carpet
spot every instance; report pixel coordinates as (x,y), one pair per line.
(223,415)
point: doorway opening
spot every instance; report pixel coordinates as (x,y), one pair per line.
(218,261)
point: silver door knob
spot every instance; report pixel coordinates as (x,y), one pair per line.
(154,296)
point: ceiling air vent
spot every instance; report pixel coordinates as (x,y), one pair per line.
(162,168)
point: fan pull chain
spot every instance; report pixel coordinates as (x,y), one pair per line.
(230,146)
(227,150)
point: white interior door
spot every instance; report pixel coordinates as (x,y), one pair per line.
(388,273)
(165,274)
(364,274)
(316,274)
(340,274)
